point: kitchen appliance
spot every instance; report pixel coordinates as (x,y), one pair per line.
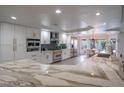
(33,45)
(54,38)
(57,55)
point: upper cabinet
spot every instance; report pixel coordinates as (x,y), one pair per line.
(54,35)
(65,39)
(62,38)
(54,38)
(45,37)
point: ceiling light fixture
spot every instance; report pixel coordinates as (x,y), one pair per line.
(58,11)
(104,23)
(14,18)
(92,74)
(84,32)
(98,14)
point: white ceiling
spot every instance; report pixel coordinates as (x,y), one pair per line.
(72,17)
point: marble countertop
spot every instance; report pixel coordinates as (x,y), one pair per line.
(29,73)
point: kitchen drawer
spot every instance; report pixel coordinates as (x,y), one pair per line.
(65,54)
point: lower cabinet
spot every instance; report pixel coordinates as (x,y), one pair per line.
(6,53)
(46,57)
(33,55)
(65,53)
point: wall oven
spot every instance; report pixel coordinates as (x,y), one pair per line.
(33,45)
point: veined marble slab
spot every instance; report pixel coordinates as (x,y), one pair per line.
(111,74)
(60,75)
(51,81)
(28,70)
(7,78)
(84,79)
(77,68)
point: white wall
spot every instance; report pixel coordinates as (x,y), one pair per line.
(69,41)
(97,36)
(121,36)
(33,33)
(121,44)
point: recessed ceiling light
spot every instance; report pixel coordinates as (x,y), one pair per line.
(83,32)
(92,74)
(104,23)
(98,14)
(14,18)
(58,11)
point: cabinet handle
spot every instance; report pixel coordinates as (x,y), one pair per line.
(14,44)
(47,56)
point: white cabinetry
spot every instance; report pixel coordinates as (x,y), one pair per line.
(6,42)
(62,38)
(13,42)
(47,57)
(65,39)
(33,33)
(65,53)
(45,37)
(20,37)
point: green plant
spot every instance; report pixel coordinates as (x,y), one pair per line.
(103,44)
(63,46)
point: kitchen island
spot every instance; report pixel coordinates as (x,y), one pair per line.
(92,72)
(51,56)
